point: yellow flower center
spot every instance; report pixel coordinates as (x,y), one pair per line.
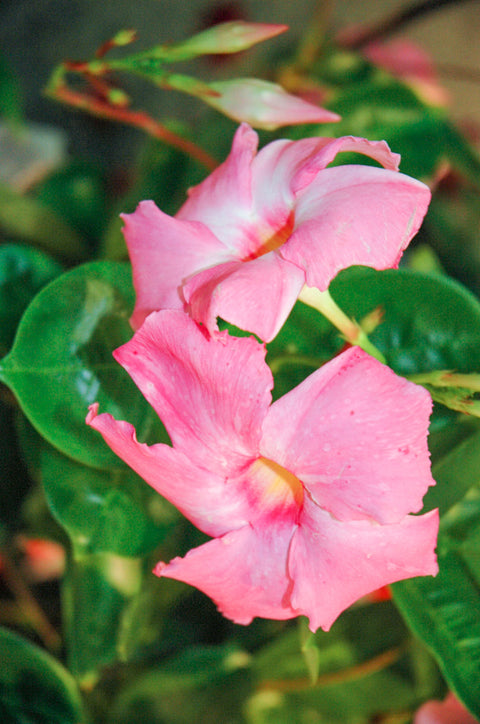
(275,240)
(279,487)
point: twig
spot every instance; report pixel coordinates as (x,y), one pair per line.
(28,604)
(138,119)
(397,21)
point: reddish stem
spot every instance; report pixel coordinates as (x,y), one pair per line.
(101,108)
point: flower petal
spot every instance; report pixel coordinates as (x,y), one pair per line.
(264,104)
(244,572)
(223,201)
(211,393)
(377,150)
(354,215)
(448,711)
(203,497)
(356,435)
(334,563)
(255,295)
(228,37)
(164,251)
(282,169)
(274,170)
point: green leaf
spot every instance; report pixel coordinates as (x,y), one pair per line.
(96,592)
(61,362)
(28,220)
(366,666)
(23,272)
(105,511)
(34,687)
(202,684)
(305,342)
(77,193)
(445,611)
(456,391)
(455,473)
(430,322)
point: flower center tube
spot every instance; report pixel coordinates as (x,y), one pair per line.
(275,240)
(277,486)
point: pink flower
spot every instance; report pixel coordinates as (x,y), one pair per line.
(228,37)
(263,225)
(448,711)
(307,499)
(264,104)
(409,62)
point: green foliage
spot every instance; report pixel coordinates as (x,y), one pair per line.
(34,687)
(429,321)
(27,220)
(205,684)
(61,361)
(77,193)
(23,272)
(445,611)
(11,106)
(105,511)
(375,105)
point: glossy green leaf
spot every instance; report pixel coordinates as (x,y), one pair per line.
(23,272)
(62,362)
(96,591)
(34,687)
(455,473)
(105,511)
(455,391)
(430,322)
(445,611)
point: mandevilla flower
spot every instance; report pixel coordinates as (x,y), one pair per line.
(264,104)
(307,499)
(262,225)
(448,711)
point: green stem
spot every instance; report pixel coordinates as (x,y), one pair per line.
(287,359)
(351,330)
